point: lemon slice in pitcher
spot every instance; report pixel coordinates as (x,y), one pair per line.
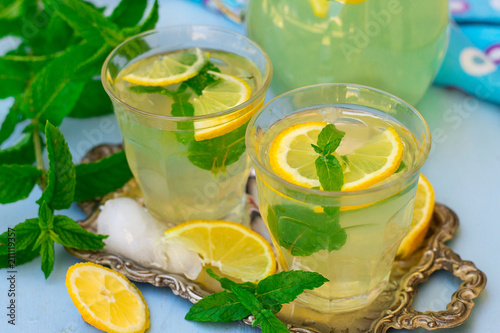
(167,69)
(293,158)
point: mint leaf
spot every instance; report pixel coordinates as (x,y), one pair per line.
(86,21)
(93,101)
(128,13)
(227,283)
(331,137)
(63,103)
(71,234)
(47,253)
(17,182)
(269,323)
(317,149)
(148,24)
(61,177)
(46,218)
(11,10)
(248,300)
(401,166)
(25,234)
(219,307)
(284,287)
(330,173)
(218,153)
(23,152)
(302,231)
(14,77)
(101,177)
(8,126)
(203,79)
(41,95)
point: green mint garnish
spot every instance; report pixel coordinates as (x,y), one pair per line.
(263,300)
(401,166)
(51,75)
(328,167)
(214,154)
(302,231)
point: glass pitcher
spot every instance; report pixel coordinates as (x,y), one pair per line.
(393,45)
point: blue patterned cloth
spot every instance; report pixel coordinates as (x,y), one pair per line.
(472,60)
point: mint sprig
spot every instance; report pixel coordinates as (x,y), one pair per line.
(214,154)
(263,300)
(328,167)
(52,75)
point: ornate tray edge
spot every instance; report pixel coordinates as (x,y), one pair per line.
(434,255)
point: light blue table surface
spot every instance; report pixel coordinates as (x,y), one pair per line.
(464,167)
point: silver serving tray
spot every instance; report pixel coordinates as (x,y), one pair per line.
(392,309)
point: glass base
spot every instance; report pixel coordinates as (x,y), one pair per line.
(325,305)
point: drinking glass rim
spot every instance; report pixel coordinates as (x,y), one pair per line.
(255,96)
(425,149)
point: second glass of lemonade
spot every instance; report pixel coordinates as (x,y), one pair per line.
(183,97)
(337,169)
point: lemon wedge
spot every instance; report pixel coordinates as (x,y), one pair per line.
(293,158)
(106,299)
(421,220)
(235,250)
(167,69)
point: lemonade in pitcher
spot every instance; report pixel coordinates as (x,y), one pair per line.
(393,45)
(183,113)
(337,171)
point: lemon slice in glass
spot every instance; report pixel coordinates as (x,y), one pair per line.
(235,250)
(167,69)
(106,299)
(227,92)
(421,220)
(293,158)
(322,7)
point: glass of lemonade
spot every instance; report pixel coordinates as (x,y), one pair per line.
(350,235)
(183,97)
(393,45)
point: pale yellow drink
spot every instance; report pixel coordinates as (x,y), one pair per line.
(188,166)
(349,237)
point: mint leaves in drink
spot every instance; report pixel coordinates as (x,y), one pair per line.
(261,300)
(302,230)
(214,154)
(52,75)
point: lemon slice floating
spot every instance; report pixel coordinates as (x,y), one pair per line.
(292,157)
(106,299)
(167,69)
(229,91)
(421,220)
(235,250)
(322,7)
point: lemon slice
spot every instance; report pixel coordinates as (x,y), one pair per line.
(229,91)
(235,250)
(293,158)
(106,299)
(421,220)
(322,7)
(167,69)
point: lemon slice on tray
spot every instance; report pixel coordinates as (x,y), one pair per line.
(421,220)
(293,158)
(106,299)
(227,92)
(167,69)
(235,250)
